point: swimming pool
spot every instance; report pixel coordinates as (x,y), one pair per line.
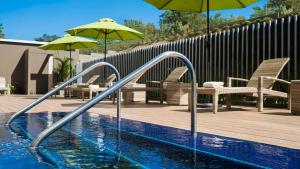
(93,141)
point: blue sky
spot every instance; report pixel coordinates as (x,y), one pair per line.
(28,19)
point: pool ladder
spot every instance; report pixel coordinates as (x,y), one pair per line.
(115,87)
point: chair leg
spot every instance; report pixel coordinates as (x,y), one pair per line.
(190,102)
(91,94)
(260,101)
(147,97)
(228,101)
(82,95)
(124,95)
(69,93)
(161,92)
(215,102)
(113,97)
(260,94)
(161,98)
(289,98)
(289,101)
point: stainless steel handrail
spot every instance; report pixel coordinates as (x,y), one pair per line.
(117,86)
(56,89)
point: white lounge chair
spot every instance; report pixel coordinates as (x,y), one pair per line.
(4,88)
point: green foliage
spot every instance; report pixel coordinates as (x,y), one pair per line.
(278,7)
(1,31)
(47,38)
(63,68)
(176,25)
(12,89)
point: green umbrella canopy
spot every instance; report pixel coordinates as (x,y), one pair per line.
(199,5)
(106,29)
(68,43)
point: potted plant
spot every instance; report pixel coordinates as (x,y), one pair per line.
(63,69)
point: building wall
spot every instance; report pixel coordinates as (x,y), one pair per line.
(26,67)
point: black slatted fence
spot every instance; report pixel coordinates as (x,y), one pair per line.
(236,52)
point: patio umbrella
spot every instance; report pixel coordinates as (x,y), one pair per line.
(106,28)
(200,6)
(69,43)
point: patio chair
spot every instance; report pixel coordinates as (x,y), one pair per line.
(72,90)
(160,88)
(4,88)
(259,86)
(97,88)
(108,81)
(131,87)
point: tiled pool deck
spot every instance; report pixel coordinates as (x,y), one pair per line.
(273,126)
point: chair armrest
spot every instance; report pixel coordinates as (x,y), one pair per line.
(155,82)
(104,85)
(276,79)
(230,79)
(160,83)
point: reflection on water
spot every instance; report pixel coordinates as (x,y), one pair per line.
(214,142)
(91,144)
(49,119)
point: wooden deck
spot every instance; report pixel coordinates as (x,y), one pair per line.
(273,126)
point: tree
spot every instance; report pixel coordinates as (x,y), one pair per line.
(134,24)
(171,23)
(278,7)
(175,24)
(47,38)
(1,31)
(151,33)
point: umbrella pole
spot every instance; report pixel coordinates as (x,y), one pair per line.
(105,50)
(208,42)
(70,67)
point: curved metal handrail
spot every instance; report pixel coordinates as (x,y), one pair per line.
(53,91)
(117,86)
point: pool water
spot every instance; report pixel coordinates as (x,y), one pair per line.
(93,141)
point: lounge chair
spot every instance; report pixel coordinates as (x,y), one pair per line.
(4,88)
(130,88)
(259,86)
(97,88)
(173,77)
(72,90)
(159,87)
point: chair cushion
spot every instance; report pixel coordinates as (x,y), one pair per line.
(93,87)
(213,84)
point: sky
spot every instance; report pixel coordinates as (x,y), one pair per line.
(28,19)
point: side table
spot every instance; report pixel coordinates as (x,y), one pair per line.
(178,93)
(295,97)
